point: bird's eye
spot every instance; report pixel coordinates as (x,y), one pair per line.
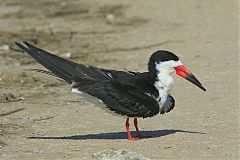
(158,61)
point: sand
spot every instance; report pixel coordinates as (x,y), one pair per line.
(52,123)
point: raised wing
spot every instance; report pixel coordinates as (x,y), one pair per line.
(67,70)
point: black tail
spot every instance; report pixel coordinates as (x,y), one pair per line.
(68,70)
(62,68)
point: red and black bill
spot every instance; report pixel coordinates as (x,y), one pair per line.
(186,74)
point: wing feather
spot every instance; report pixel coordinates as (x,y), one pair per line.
(123,99)
(68,70)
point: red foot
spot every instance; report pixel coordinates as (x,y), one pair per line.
(137,131)
(138,134)
(133,139)
(136,127)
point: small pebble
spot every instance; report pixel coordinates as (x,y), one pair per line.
(4,47)
(110,18)
(113,154)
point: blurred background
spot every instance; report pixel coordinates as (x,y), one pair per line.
(119,35)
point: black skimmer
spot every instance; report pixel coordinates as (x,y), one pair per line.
(131,94)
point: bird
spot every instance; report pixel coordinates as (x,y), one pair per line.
(126,93)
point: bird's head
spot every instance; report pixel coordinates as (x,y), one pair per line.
(163,61)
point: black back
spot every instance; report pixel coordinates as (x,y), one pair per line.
(133,97)
(127,93)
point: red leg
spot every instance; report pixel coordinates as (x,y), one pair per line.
(136,127)
(128,131)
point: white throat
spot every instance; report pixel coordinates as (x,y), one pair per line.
(164,82)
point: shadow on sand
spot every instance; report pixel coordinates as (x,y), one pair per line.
(119,135)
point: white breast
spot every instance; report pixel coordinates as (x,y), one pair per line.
(164,82)
(164,85)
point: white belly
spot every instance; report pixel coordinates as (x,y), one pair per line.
(97,102)
(87,97)
(164,88)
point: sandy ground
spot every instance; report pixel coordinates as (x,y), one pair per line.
(53,124)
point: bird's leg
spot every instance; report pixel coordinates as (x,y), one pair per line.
(136,127)
(128,131)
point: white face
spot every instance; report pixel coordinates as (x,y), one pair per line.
(168,66)
(165,82)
